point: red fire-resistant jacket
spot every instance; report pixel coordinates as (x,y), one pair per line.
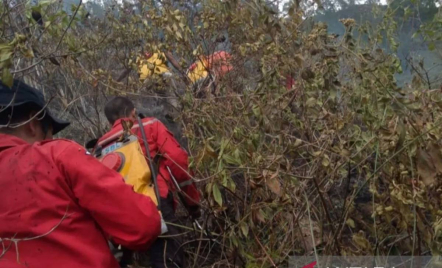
(59,205)
(161,141)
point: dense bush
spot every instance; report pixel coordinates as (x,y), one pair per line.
(344,162)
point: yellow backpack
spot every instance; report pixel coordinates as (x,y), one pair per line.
(198,70)
(125,156)
(151,64)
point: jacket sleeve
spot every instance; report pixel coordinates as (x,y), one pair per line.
(130,219)
(177,160)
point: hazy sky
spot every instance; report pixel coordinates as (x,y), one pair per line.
(282,2)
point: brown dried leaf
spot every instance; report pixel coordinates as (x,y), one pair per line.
(210,151)
(274,184)
(259,216)
(436,155)
(361,241)
(425,167)
(298,59)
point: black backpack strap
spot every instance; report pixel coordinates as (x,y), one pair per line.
(152,165)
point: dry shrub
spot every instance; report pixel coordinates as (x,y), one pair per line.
(345,162)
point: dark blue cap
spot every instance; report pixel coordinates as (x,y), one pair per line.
(21,93)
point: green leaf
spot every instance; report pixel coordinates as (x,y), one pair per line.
(350,222)
(217,194)
(234,241)
(244,228)
(222,147)
(5,60)
(231,160)
(28,53)
(256,110)
(65,22)
(231,185)
(360,240)
(46,3)
(71,43)
(7,78)
(178,34)
(325,161)
(6,47)
(311,102)
(298,142)
(431,46)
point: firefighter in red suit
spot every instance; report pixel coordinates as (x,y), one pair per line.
(59,205)
(164,147)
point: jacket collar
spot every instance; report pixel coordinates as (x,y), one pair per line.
(7,141)
(118,122)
